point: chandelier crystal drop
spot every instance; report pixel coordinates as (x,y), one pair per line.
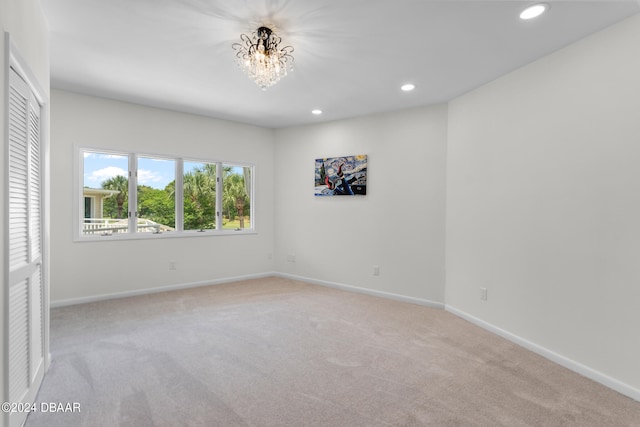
(261,57)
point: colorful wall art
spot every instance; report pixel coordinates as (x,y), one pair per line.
(341,176)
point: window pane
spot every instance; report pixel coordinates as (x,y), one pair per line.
(236,197)
(199,191)
(105,192)
(156,195)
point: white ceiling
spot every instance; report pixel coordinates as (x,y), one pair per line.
(351,56)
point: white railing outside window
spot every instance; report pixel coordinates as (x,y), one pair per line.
(99,226)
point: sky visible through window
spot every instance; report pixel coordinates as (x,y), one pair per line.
(152,172)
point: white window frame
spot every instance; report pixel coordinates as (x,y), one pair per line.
(132,233)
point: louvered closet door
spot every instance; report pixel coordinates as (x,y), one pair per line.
(26,349)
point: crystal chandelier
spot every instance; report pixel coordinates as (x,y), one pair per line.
(262,59)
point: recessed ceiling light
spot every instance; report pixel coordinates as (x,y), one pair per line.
(408,87)
(316,112)
(534,10)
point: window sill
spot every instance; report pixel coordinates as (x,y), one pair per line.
(166,235)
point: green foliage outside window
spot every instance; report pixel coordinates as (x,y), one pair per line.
(199,200)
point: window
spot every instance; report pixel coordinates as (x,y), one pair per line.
(172,196)
(236,204)
(155,195)
(105,189)
(199,186)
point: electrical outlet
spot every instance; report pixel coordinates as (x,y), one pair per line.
(483,294)
(376,270)
(291,257)
(172,265)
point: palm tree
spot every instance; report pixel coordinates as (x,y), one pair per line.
(200,191)
(235,195)
(121,184)
(209,169)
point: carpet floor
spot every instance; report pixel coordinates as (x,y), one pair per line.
(277,352)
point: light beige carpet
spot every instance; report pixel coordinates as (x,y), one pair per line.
(276,352)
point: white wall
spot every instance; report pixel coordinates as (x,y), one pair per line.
(83,269)
(543,203)
(398,225)
(24,20)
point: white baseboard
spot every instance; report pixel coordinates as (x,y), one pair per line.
(388,295)
(146,291)
(577,367)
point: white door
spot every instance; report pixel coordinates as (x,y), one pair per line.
(25,294)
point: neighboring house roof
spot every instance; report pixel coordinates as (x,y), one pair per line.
(98,192)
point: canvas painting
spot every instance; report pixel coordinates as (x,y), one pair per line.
(341,176)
